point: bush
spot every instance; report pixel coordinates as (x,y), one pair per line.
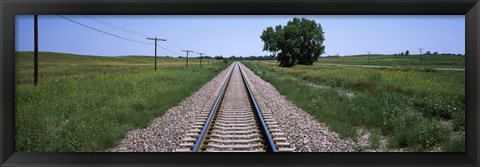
(394,120)
(365,85)
(456,144)
(435,106)
(335,82)
(429,133)
(423,134)
(459,120)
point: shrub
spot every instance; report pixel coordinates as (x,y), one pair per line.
(365,85)
(435,106)
(459,120)
(335,82)
(429,133)
(422,134)
(394,119)
(456,144)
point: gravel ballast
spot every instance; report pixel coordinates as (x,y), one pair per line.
(303,131)
(164,133)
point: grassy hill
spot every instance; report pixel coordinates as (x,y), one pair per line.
(61,65)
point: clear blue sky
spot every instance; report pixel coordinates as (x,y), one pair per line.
(237,35)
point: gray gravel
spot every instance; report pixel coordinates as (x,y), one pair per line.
(164,133)
(303,131)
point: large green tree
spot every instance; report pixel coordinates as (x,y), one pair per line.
(298,42)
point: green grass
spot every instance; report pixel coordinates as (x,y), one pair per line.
(375,140)
(94,113)
(441,61)
(69,66)
(406,105)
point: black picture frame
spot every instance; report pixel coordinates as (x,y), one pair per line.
(10,8)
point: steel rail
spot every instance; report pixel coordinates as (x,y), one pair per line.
(271,145)
(212,111)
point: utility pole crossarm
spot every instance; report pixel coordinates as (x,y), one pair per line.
(188,51)
(156,39)
(201,57)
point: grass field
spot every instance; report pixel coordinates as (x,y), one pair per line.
(70,66)
(447,61)
(92,112)
(417,109)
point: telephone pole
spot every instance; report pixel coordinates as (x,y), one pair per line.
(421,50)
(35,68)
(187,54)
(201,57)
(156,39)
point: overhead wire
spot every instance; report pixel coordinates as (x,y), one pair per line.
(130,31)
(115,26)
(168,50)
(104,31)
(171,44)
(117,36)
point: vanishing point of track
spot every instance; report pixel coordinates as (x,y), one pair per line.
(235,122)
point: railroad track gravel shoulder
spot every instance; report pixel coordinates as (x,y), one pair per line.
(164,133)
(304,131)
(235,122)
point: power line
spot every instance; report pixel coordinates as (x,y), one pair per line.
(104,31)
(169,50)
(130,31)
(115,26)
(171,44)
(117,36)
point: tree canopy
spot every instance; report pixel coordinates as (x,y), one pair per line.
(298,42)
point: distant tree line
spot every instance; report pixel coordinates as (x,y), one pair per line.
(407,53)
(233,57)
(266,57)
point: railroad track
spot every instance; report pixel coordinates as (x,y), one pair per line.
(234,121)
